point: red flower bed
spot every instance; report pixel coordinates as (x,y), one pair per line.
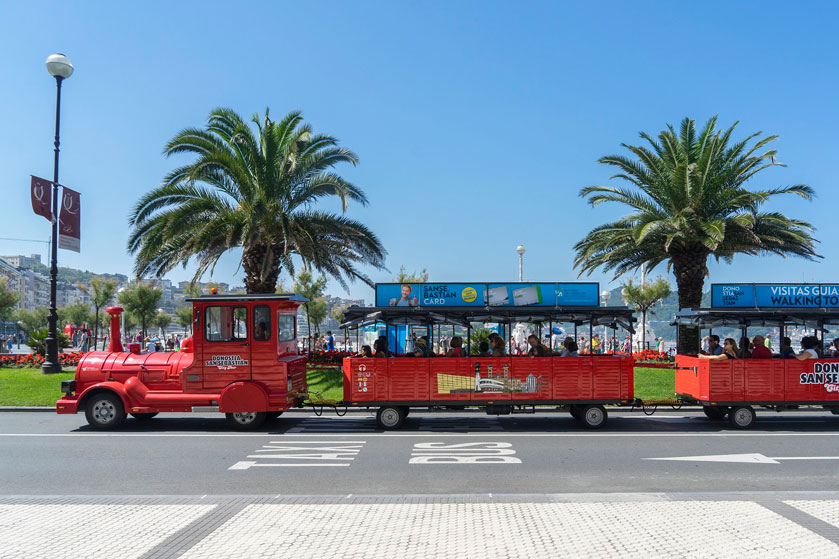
(321,357)
(31,360)
(650,355)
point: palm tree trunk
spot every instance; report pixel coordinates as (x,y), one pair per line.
(261,276)
(643,330)
(690,269)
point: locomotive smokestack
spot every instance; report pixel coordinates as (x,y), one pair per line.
(115,345)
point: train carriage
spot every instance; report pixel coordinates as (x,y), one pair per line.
(734,387)
(499,384)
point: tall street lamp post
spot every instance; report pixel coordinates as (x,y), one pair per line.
(59,67)
(520,249)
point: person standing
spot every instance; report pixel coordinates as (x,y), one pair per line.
(330,341)
(84,341)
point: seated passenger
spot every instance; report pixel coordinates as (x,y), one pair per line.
(261,332)
(808,346)
(498,349)
(483,349)
(760,350)
(729,351)
(536,347)
(834,349)
(745,348)
(786,348)
(365,351)
(380,348)
(565,351)
(421,347)
(456,347)
(571,349)
(714,347)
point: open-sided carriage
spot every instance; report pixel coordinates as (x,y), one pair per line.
(499,384)
(733,388)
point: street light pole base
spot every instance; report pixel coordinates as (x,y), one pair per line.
(48,368)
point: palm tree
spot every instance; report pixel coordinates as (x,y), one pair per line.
(642,297)
(688,201)
(257,192)
(101,292)
(141,301)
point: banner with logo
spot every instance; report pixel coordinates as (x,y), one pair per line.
(487,294)
(775,295)
(69,221)
(41,195)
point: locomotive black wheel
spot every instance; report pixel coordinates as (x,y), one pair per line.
(594,416)
(741,417)
(245,421)
(104,411)
(715,412)
(272,415)
(390,417)
(143,416)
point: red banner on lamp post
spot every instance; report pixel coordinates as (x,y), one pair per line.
(41,194)
(69,221)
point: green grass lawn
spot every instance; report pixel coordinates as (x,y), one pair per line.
(654,384)
(28,387)
(328,382)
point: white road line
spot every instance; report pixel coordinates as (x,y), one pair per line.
(424,434)
(244,465)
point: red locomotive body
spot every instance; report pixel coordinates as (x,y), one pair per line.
(243,362)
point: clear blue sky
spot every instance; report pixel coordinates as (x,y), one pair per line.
(476,123)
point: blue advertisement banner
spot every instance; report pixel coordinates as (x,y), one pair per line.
(776,295)
(732,295)
(577,294)
(483,294)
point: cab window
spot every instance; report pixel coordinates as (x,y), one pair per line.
(286,327)
(261,323)
(226,324)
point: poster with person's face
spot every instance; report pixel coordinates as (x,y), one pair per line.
(483,294)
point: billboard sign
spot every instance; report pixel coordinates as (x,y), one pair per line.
(775,295)
(487,294)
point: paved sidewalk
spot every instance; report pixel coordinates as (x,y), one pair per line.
(426,527)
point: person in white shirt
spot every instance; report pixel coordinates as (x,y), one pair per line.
(808,346)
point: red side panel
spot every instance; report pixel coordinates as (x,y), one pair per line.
(451,378)
(491,378)
(531,378)
(627,378)
(408,379)
(687,376)
(764,380)
(818,382)
(738,380)
(572,378)
(719,380)
(795,391)
(365,379)
(606,378)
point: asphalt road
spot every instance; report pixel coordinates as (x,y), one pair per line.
(464,453)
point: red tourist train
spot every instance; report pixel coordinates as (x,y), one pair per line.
(244,361)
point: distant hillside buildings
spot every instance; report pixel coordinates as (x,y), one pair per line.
(30,278)
(34,287)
